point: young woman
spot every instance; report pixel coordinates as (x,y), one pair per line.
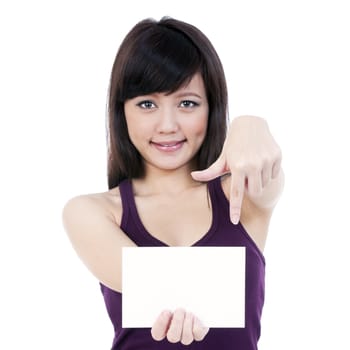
(177,177)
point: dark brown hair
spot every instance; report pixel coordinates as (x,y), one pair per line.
(162,56)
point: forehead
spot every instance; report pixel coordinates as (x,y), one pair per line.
(194,86)
(196,82)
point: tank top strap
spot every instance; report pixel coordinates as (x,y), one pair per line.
(131,222)
(218,199)
(127,197)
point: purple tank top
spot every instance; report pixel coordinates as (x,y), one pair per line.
(221,233)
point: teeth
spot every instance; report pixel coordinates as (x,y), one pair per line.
(168,145)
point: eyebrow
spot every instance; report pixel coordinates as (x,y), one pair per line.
(188,93)
(177,94)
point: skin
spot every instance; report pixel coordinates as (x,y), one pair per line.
(168,131)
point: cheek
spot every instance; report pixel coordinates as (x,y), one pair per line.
(132,120)
(133,131)
(199,126)
(130,128)
(135,128)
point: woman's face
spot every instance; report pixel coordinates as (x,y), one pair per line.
(168,129)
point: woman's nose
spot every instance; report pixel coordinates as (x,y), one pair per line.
(167,121)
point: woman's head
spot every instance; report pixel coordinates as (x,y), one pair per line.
(162,57)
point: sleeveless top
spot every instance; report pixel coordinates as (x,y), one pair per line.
(221,233)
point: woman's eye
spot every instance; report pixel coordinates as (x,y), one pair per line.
(146,104)
(188,104)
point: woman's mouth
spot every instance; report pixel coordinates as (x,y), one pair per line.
(168,146)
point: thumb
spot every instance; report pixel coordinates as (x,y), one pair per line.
(217,169)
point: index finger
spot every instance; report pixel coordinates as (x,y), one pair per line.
(236,195)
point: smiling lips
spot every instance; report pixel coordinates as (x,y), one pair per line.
(168,146)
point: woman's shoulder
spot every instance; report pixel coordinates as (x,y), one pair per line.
(107,202)
(90,221)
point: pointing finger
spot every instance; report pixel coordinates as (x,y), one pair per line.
(236,196)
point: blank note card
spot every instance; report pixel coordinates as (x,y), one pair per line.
(208,281)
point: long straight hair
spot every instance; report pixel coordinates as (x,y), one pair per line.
(162,56)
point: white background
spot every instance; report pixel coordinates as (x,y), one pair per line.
(287,61)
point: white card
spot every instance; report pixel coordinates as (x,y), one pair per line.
(207,281)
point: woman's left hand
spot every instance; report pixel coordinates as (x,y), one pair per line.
(179,326)
(252,157)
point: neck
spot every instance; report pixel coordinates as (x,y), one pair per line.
(166,182)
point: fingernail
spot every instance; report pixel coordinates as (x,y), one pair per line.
(235,219)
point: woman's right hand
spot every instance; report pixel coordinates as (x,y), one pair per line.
(180,326)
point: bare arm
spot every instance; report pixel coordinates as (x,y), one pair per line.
(96,238)
(98,241)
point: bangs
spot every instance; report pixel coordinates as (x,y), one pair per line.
(162,60)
